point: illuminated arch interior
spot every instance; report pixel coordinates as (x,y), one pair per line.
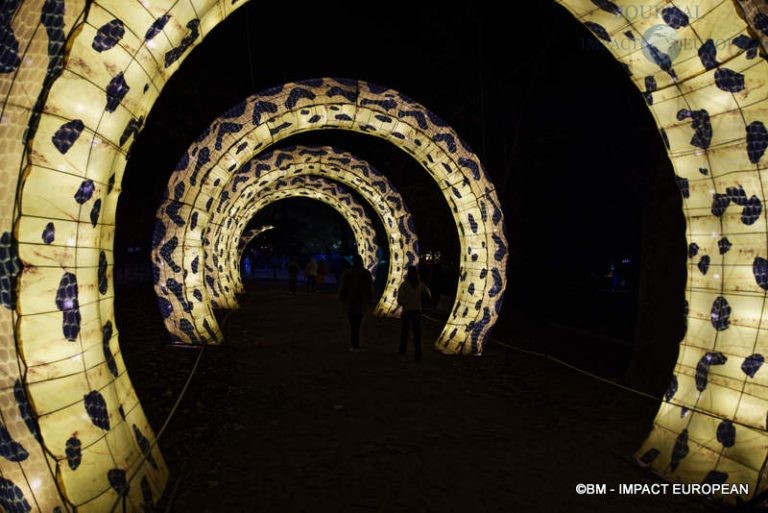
(330,163)
(245,239)
(710,105)
(255,197)
(250,127)
(67,127)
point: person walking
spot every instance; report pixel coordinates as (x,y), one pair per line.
(293,274)
(310,272)
(409,297)
(356,295)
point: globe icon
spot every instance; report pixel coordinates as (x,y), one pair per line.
(661,44)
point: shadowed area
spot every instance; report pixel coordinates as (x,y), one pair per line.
(284,418)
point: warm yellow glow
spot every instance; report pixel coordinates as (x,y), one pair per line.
(265,119)
(255,196)
(339,166)
(63,144)
(709,102)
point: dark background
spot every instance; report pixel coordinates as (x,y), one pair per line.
(576,158)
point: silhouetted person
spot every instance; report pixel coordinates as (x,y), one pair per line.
(293,274)
(409,296)
(321,272)
(310,272)
(356,295)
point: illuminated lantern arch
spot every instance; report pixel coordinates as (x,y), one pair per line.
(72,119)
(338,166)
(253,198)
(710,105)
(264,119)
(77,81)
(248,205)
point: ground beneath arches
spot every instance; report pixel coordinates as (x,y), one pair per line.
(284,418)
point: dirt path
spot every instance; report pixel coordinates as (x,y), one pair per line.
(283,418)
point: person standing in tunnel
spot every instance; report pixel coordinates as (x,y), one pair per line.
(356,295)
(293,274)
(311,274)
(410,296)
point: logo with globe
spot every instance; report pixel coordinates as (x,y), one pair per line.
(661,44)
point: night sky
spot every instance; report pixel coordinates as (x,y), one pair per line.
(559,126)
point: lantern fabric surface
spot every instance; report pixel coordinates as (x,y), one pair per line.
(701,68)
(339,166)
(77,80)
(266,118)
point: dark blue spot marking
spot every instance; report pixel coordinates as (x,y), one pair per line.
(701,124)
(724,245)
(102,273)
(598,30)
(73,450)
(108,35)
(757,141)
(49,233)
(351,96)
(672,389)
(748,44)
(9,45)
(67,303)
(144,445)
(116,91)
(166,252)
(703,264)
(296,94)
(726,433)
(721,314)
(497,283)
(156,27)
(708,54)
(95,211)
(419,116)
(85,191)
(760,270)
(720,202)
(715,477)
(118,481)
(96,407)
(752,364)
(106,337)
(674,17)
(66,135)
(761,22)
(448,139)
(752,211)
(12,498)
(608,6)
(224,129)
(166,308)
(702,368)
(132,128)
(729,80)
(10,449)
(174,54)
(9,270)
